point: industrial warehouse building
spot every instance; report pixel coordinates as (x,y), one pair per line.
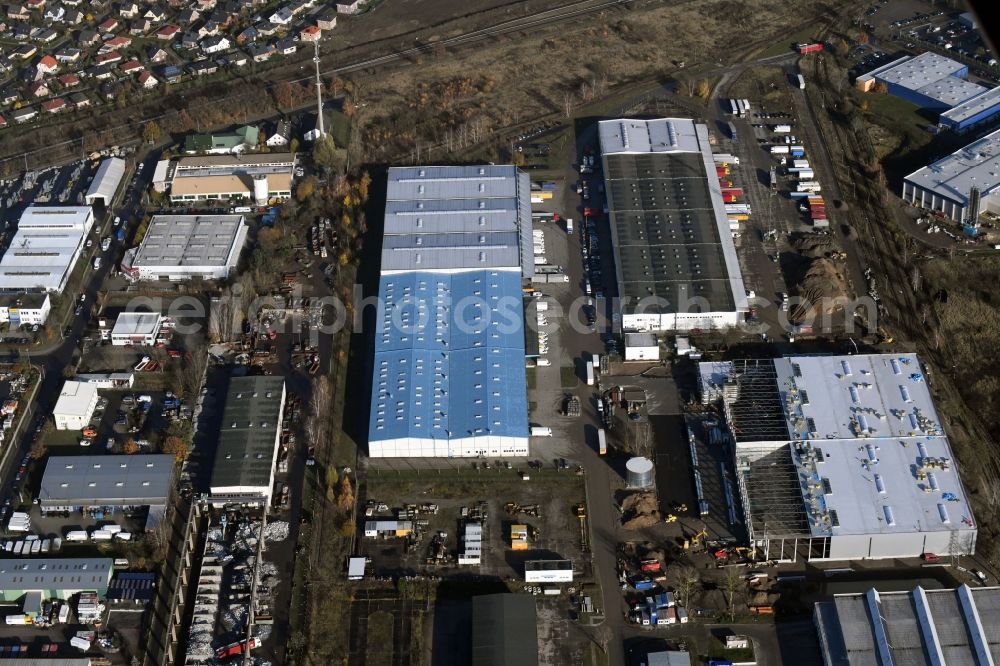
(136,328)
(45,248)
(504,630)
(24,309)
(257,177)
(675,261)
(107,483)
(106,182)
(180,247)
(948,626)
(548,571)
(449,377)
(841,458)
(247,451)
(54,578)
(946,185)
(934,82)
(75,406)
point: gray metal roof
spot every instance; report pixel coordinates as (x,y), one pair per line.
(457,218)
(136,323)
(119,480)
(669,228)
(106,181)
(915,73)
(71,573)
(191,240)
(949,626)
(248,434)
(972,107)
(504,632)
(953,176)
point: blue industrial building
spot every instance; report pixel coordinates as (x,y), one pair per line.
(449,372)
(937,83)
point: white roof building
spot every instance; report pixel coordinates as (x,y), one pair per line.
(45,248)
(179,247)
(945,185)
(136,328)
(106,182)
(75,405)
(842,457)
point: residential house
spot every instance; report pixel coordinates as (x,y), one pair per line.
(22,32)
(326,19)
(205,5)
(189,40)
(109,89)
(223,143)
(349,7)
(147,80)
(203,68)
(167,32)
(128,10)
(281,17)
(5,64)
(109,24)
(115,43)
(68,54)
(155,14)
(54,13)
(210,29)
(79,100)
(222,18)
(72,3)
(36,5)
(133,66)
(267,29)
(156,55)
(107,58)
(139,27)
(18,13)
(68,80)
(310,33)
(54,105)
(47,64)
(215,45)
(38,89)
(312,133)
(3,122)
(47,36)
(286,46)
(188,16)
(247,35)
(261,53)
(102,72)
(235,59)
(172,73)
(24,52)
(9,95)
(73,17)
(88,37)
(281,135)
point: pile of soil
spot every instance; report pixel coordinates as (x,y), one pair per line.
(823,281)
(640,511)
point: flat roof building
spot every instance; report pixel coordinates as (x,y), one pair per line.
(548,571)
(945,185)
(504,630)
(449,345)
(45,248)
(25,309)
(948,626)
(58,578)
(136,328)
(257,177)
(247,451)
(841,458)
(675,261)
(75,406)
(179,247)
(77,483)
(106,182)
(973,112)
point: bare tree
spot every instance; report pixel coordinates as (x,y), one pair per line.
(685,580)
(732,586)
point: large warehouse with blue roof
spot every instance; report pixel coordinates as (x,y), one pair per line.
(449,378)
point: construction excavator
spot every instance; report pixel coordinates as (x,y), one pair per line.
(693,541)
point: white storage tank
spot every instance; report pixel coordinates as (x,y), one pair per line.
(260,189)
(639,473)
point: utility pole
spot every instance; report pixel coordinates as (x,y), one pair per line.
(319,94)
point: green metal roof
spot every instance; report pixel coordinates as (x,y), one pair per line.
(250,423)
(503,630)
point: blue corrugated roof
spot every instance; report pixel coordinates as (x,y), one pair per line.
(449,356)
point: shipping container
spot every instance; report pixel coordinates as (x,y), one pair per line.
(807,186)
(738,217)
(732,131)
(809,48)
(590,375)
(800,164)
(733,107)
(721,170)
(805,174)
(540,431)
(738,191)
(782,129)
(726,159)
(733,209)
(802,82)
(728,198)
(602,442)
(779,150)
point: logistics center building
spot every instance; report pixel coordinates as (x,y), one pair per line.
(256,177)
(449,378)
(841,458)
(180,247)
(945,186)
(675,260)
(45,248)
